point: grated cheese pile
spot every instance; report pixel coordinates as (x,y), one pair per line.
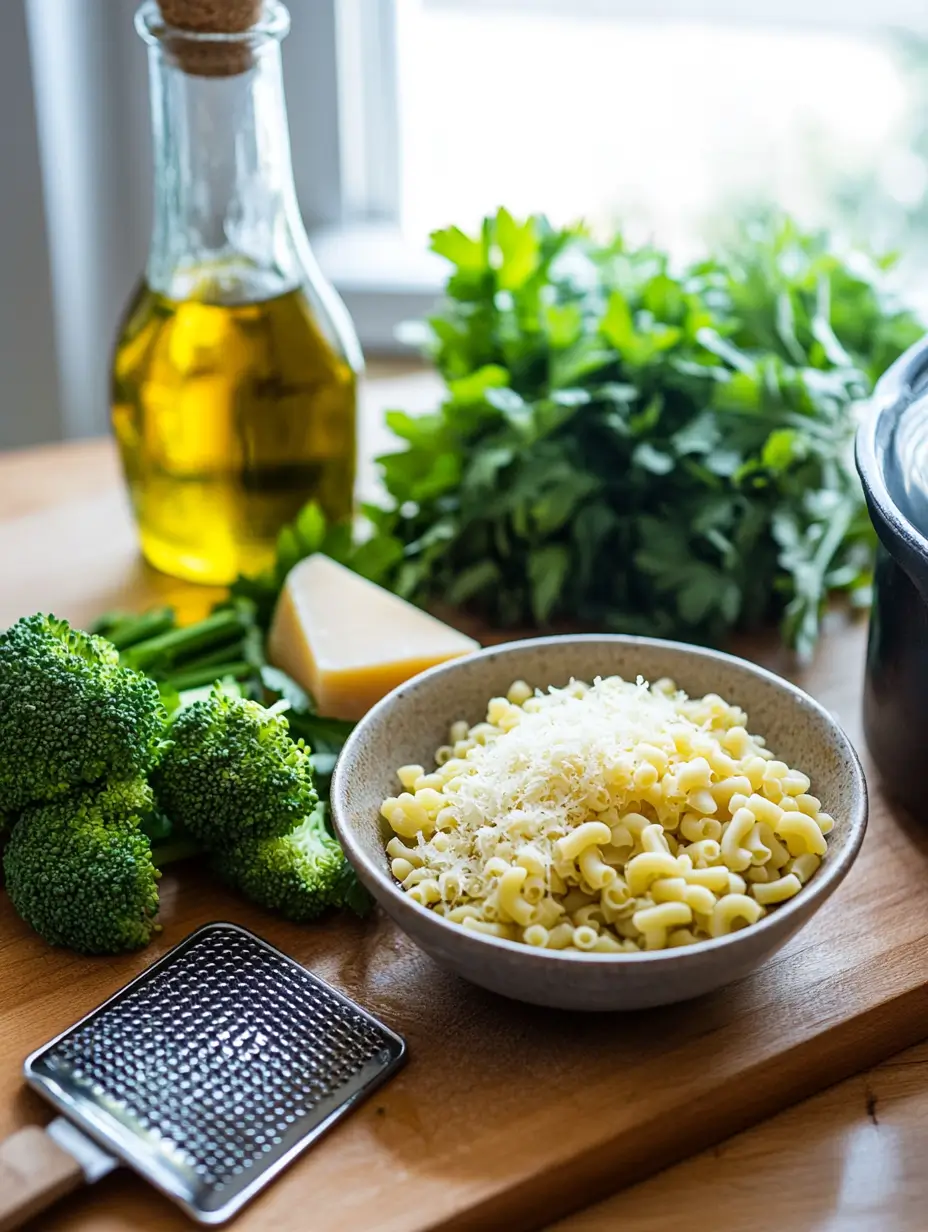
(608,818)
(551,768)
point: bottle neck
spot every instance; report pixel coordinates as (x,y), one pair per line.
(226,224)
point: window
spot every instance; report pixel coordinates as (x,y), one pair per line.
(672,118)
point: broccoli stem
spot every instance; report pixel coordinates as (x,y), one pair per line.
(206,673)
(167,648)
(222,654)
(128,631)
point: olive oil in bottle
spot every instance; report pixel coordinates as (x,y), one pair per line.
(234,380)
(229,417)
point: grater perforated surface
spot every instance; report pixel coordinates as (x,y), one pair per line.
(217,1065)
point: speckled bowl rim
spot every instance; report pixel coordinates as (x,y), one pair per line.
(814,893)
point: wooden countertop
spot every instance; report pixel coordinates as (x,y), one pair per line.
(847,1160)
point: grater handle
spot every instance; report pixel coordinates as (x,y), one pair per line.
(34,1173)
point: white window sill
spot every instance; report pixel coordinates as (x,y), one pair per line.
(383,279)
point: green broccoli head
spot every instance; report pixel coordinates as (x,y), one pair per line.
(69,714)
(300,874)
(6,825)
(79,869)
(233,772)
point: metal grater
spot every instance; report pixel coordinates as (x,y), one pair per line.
(214,1068)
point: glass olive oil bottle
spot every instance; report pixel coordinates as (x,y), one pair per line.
(234,384)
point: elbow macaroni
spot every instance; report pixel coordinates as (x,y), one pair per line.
(604,819)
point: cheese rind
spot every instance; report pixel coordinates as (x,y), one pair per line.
(349,642)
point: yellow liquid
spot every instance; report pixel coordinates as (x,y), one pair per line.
(229,417)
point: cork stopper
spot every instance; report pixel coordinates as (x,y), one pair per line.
(212,57)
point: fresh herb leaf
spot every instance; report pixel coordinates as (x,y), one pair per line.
(632,446)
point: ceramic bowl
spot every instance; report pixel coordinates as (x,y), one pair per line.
(412,721)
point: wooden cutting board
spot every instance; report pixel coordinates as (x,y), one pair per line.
(506,1115)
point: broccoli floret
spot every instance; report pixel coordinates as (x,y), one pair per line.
(79,869)
(233,772)
(300,874)
(237,782)
(70,715)
(6,826)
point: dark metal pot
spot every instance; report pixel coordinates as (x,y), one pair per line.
(892,458)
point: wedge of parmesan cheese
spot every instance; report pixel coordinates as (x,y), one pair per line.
(349,642)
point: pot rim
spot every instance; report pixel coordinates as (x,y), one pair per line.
(894,393)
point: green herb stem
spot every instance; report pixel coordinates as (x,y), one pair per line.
(629,445)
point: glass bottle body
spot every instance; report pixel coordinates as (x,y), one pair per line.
(234,383)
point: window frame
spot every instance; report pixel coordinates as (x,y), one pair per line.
(342,99)
(346,156)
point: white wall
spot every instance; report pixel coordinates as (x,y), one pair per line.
(29,396)
(89,81)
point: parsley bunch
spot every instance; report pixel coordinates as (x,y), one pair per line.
(635,448)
